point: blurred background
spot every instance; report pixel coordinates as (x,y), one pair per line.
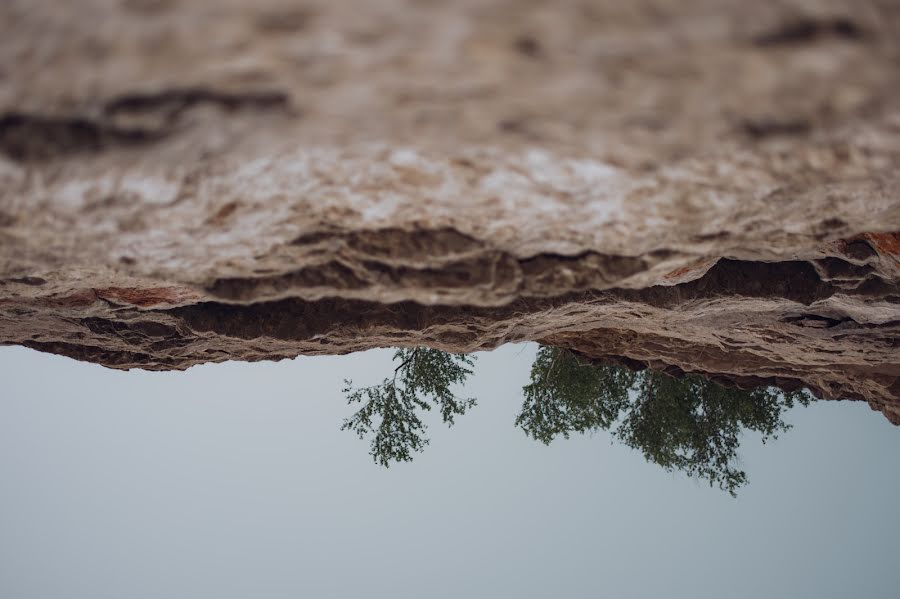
(234,480)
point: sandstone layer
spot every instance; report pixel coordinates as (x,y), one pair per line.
(694,185)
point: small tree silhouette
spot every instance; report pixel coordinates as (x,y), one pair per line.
(390,409)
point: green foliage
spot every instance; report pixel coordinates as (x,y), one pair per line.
(391,410)
(568,396)
(694,425)
(690,424)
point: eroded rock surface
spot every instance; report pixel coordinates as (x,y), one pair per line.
(699,186)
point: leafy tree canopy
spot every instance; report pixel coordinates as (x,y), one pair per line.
(689,424)
(390,410)
(568,396)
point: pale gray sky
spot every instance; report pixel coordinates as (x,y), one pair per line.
(233,481)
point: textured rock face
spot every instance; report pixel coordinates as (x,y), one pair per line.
(694,185)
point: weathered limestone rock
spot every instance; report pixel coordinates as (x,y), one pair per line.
(701,186)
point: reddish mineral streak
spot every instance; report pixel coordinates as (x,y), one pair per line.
(887,244)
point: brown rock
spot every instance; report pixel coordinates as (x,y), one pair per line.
(697,186)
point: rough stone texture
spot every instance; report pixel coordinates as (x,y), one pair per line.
(701,186)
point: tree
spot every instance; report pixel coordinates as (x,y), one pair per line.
(391,410)
(689,424)
(694,425)
(567,395)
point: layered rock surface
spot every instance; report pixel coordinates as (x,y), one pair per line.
(696,186)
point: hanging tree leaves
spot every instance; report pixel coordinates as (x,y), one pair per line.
(689,424)
(391,410)
(567,395)
(694,425)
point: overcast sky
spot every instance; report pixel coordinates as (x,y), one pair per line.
(234,481)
